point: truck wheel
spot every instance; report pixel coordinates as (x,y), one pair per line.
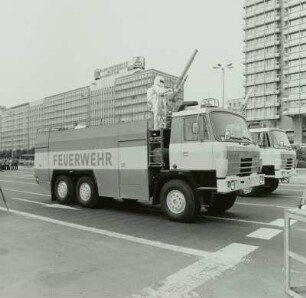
(270,185)
(63,190)
(86,192)
(178,201)
(222,202)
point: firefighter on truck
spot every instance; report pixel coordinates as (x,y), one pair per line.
(204,158)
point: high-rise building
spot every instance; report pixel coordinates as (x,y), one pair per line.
(294,65)
(118,94)
(275,44)
(235,104)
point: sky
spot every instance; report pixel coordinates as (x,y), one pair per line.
(52,46)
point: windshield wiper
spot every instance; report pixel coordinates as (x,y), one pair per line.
(248,139)
(235,138)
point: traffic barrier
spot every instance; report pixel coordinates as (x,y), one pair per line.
(3,198)
(298,214)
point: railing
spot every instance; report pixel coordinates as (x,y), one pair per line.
(298,214)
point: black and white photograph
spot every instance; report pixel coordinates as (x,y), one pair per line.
(153,149)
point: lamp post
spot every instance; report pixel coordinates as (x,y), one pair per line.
(223,68)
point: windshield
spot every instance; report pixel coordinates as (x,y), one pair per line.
(233,125)
(279,138)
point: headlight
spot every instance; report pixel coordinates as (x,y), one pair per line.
(231,185)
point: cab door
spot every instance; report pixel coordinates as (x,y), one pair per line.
(196,148)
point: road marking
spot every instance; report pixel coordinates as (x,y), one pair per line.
(18,182)
(143,241)
(28,201)
(191,277)
(280,222)
(282,196)
(292,184)
(275,223)
(289,189)
(264,205)
(49,205)
(264,233)
(19,176)
(61,206)
(27,192)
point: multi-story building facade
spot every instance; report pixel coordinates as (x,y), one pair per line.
(274,51)
(15,128)
(118,94)
(235,104)
(294,72)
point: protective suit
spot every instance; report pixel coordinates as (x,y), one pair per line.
(157,97)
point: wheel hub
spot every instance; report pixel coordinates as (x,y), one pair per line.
(176,201)
(62,189)
(85,191)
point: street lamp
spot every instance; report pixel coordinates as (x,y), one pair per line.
(221,67)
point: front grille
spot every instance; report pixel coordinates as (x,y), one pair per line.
(289,164)
(245,166)
(242,162)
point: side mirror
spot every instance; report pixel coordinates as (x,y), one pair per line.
(227,134)
(195,128)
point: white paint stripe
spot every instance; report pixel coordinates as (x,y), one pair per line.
(158,244)
(45,204)
(27,192)
(263,205)
(19,177)
(281,196)
(18,182)
(276,224)
(191,277)
(28,201)
(60,206)
(292,184)
(289,189)
(280,222)
(264,233)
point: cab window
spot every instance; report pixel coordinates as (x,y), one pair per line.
(262,139)
(191,128)
(205,130)
(195,128)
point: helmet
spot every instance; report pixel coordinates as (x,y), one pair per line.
(159,81)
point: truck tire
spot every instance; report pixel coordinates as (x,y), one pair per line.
(178,201)
(222,202)
(86,192)
(271,185)
(63,190)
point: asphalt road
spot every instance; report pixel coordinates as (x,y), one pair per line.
(123,250)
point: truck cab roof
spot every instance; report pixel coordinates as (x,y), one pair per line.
(194,110)
(264,129)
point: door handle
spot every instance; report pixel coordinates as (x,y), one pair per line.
(185,153)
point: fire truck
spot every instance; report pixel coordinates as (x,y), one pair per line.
(278,159)
(203,158)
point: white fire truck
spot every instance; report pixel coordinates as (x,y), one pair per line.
(203,159)
(278,159)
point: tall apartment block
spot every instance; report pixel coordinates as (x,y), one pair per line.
(118,94)
(275,64)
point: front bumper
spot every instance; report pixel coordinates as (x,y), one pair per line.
(280,174)
(234,183)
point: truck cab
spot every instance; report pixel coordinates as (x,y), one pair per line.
(278,158)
